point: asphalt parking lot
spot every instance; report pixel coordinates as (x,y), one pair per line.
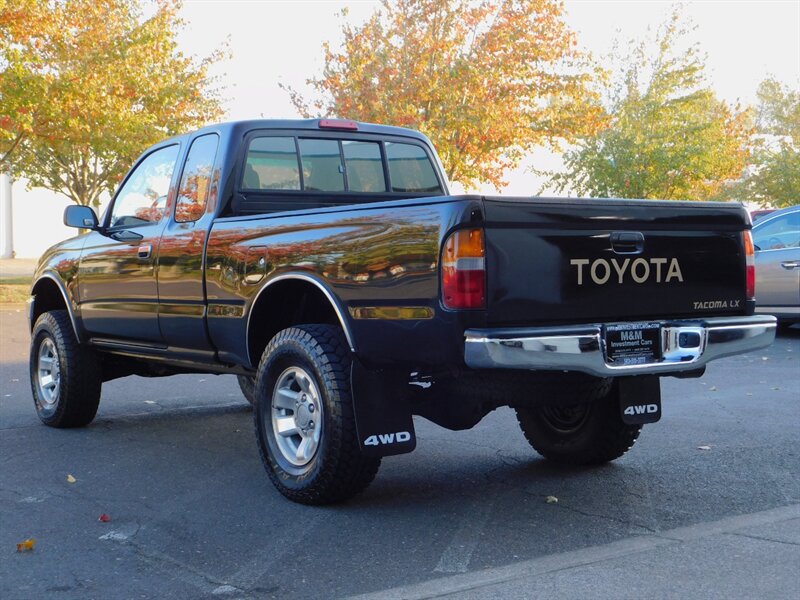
(705,505)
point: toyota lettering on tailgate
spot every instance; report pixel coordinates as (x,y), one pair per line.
(639,270)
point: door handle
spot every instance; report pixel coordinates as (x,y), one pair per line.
(145,250)
(790,264)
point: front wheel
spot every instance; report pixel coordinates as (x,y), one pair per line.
(304,419)
(581,433)
(248,386)
(65,377)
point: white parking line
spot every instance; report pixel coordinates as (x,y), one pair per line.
(456,557)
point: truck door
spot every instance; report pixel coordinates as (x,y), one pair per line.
(181,284)
(118,293)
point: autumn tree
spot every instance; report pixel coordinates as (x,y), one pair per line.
(485,80)
(87,85)
(669,136)
(774,176)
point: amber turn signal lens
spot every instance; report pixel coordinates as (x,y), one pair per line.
(464,271)
(750,262)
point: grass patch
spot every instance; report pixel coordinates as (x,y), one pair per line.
(14,293)
(16,280)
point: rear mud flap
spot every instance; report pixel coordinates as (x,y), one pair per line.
(639,399)
(383,416)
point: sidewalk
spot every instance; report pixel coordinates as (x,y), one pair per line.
(750,556)
(17,267)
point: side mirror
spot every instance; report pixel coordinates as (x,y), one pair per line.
(81,217)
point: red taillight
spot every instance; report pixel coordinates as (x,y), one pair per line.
(338,124)
(750,262)
(464,270)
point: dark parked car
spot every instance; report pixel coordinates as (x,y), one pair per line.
(777,241)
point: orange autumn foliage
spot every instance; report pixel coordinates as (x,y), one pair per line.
(486,81)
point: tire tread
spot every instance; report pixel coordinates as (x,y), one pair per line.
(81,376)
(605,438)
(348,472)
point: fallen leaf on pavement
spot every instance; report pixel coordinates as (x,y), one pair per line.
(704,447)
(713,388)
(104,518)
(26,546)
(71,479)
(551,500)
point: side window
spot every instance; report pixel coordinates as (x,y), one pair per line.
(777,233)
(271,165)
(322,165)
(410,169)
(143,198)
(196,179)
(364,166)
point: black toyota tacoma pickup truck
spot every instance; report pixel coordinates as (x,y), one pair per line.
(325,264)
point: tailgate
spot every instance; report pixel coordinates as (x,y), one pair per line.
(573,261)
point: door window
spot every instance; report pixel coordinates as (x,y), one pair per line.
(196,179)
(143,197)
(779,232)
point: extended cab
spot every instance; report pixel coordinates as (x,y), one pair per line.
(325,264)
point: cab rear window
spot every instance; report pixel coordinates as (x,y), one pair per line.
(271,164)
(275,163)
(322,165)
(410,169)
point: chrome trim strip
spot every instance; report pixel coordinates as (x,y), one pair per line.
(582,348)
(308,279)
(778,310)
(391,313)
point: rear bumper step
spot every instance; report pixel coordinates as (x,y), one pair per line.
(583,347)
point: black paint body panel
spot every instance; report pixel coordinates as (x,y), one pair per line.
(531,243)
(371,255)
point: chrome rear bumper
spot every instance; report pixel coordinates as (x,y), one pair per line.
(582,347)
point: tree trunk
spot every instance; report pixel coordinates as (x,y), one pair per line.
(6,217)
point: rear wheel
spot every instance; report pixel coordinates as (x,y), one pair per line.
(304,419)
(65,377)
(580,433)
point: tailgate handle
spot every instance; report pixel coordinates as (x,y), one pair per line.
(627,242)
(790,264)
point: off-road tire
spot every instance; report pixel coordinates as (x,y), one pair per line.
(589,431)
(247,384)
(338,470)
(79,380)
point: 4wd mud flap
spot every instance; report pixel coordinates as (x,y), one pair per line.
(383,416)
(639,399)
